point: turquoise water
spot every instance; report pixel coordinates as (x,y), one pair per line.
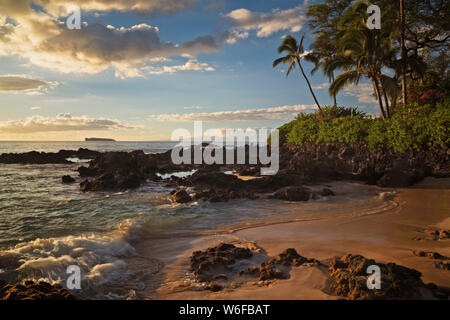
(46,226)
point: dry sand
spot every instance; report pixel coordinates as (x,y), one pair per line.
(385,237)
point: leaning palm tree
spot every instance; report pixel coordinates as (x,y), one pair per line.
(294,54)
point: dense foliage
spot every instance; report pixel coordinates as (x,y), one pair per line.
(410,128)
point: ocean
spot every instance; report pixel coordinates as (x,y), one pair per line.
(45,225)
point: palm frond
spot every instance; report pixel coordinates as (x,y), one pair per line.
(291,66)
(289,45)
(343,80)
(278,61)
(391,87)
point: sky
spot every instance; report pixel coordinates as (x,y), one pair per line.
(139,69)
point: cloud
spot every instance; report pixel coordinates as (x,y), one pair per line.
(265,24)
(321,86)
(231,37)
(62,122)
(42,38)
(277,113)
(363,92)
(192,108)
(19,83)
(191,65)
(59,7)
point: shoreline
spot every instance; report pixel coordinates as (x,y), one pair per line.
(387,237)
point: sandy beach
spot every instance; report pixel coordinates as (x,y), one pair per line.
(389,236)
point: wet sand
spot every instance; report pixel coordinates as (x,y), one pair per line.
(386,237)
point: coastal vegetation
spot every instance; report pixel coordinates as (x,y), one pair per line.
(406,61)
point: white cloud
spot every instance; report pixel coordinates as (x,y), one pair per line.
(265,24)
(191,65)
(277,113)
(232,37)
(62,122)
(321,86)
(363,92)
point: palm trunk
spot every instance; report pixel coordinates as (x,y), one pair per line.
(404,54)
(386,101)
(309,84)
(380,100)
(334,94)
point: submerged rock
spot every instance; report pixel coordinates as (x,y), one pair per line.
(293,194)
(68,179)
(181,197)
(327,192)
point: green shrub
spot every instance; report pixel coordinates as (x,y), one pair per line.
(410,128)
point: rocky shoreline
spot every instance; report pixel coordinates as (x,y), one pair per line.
(299,165)
(228,267)
(217,268)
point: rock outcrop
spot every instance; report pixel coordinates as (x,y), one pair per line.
(435,234)
(273,268)
(210,264)
(34,157)
(348,278)
(118,171)
(217,266)
(356,161)
(31,290)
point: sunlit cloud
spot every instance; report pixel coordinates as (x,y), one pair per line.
(265,24)
(277,113)
(191,65)
(43,39)
(62,122)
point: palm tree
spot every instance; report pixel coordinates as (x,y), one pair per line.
(323,20)
(363,53)
(319,59)
(294,55)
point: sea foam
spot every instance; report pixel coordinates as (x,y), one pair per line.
(101,259)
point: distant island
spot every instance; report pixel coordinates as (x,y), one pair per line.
(98,139)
